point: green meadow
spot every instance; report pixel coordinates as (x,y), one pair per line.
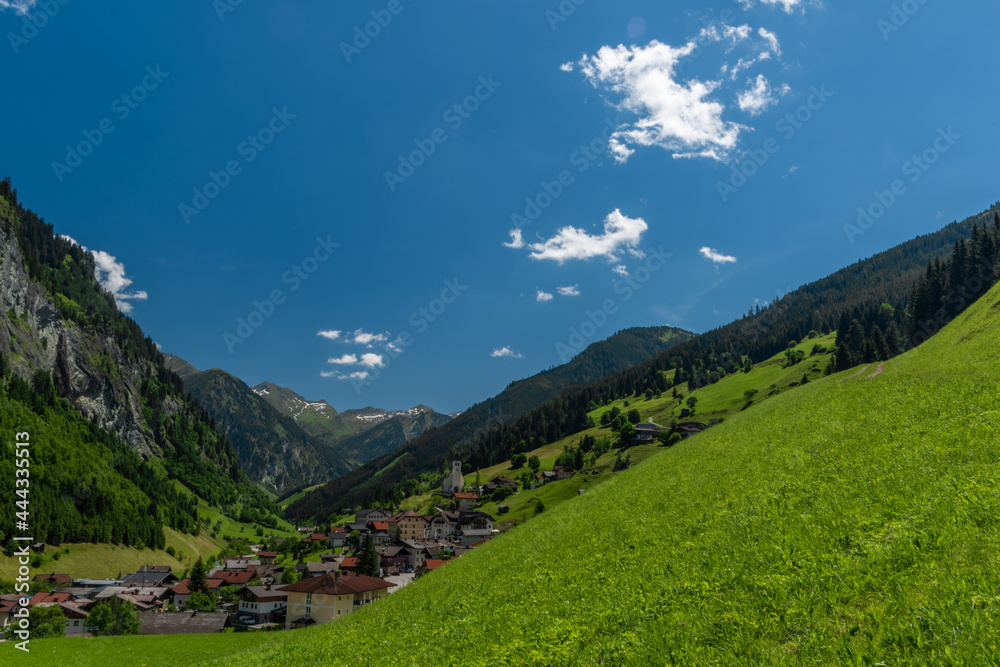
(852,521)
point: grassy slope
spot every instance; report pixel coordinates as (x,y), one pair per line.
(850,522)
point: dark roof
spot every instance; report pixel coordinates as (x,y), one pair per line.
(259,592)
(267,554)
(57,578)
(647,427)
(182,622)
(342,584)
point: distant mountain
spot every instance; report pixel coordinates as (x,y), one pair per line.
(272,447)
(355,435)
(390,433)
(426,452)
(178,365)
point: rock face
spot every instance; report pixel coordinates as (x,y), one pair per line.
(87,367)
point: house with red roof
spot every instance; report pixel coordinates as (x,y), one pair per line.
(237,578)
(465,500)
(182,591)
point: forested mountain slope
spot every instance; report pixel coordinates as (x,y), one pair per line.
(271,447)
(67,348)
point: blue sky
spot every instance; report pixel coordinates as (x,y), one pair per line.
(335,172)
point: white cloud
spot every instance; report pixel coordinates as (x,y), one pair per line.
(111,274)
(346,360)
(362,338)
(678,117)
(717,258)
(19,6)
(506,352)
(572,243)
(771,39)
(758,97)
(360,375)
(621,270)
(571,290)
(331,335)
(516,239)
(543,296)
(794,168)
(372,360)
(369,359)
(787,5)
(566,67)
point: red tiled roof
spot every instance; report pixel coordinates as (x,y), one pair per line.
(235,578)
(184,587)
(380,525)
(267,554)
(345,584)
(49,597)
(466,496)
(350,561)
(434,563)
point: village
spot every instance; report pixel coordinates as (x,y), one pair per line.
(364,558)
(323,575)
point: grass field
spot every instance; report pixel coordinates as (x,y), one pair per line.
(144,651)
(853,521)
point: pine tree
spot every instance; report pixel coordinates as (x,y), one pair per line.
(369,559)
(198,582)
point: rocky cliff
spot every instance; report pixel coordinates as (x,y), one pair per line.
(88,368)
